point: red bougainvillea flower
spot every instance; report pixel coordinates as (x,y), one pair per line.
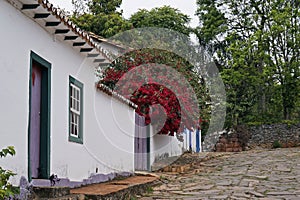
(178,110)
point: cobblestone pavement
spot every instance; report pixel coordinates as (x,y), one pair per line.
(263,174)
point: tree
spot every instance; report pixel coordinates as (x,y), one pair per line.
(162,17)
(100,17)
(256,45)
(104,6)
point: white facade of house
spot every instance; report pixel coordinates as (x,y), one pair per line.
(108,140)
(164,146)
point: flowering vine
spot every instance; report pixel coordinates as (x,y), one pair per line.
(173,95)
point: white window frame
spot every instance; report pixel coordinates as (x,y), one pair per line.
(75,110)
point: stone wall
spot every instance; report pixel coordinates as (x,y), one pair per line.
(228,143)
(264,136)
(233,140)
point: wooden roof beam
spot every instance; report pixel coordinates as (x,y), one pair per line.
(41,15)
(61,31)
(30,6)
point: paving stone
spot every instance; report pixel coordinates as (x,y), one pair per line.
(283,169)
(210,192)
(194,198)
(297,192)
(262,174)
(219,197)
(173,188)
(162,187)
(259,177)
(224,183)
(243,195)
(186,194)
(256,194)
(199,187)
(292,198)
(280,193)
(242,189)
(238,198)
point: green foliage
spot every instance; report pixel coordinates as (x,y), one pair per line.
(103,18)
(162,17)
(290,122)
(7,151)
(102,24)
(6,189)
(256,46)
(104,6)
(149,190)
(276,144)
(100,17)
(213,23)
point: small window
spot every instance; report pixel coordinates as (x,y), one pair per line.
(75,110)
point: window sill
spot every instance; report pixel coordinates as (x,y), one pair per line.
(75,139)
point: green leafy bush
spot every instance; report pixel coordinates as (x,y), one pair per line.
(276,144)
(6,189)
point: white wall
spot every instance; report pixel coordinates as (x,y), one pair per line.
(162,146)
(19,35)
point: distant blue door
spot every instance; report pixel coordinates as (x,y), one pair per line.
(197,141)
(190,140)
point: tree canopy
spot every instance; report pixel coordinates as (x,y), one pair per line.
(256,46)
(100,17)
(104,18)
(163,17)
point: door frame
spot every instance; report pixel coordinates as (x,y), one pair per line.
(44,117)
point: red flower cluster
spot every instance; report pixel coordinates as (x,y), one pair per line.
(155,85)
(152,94)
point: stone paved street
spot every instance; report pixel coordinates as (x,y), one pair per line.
(260,174)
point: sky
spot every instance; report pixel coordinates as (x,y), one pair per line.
(131,6)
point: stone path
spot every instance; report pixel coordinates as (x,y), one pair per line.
(267,174)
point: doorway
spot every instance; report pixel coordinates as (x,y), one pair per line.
(141,144)
(39,118)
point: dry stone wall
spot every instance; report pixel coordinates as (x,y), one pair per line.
(265,136)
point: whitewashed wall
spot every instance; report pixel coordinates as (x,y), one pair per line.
(112,49)
(162,146)
(19,35)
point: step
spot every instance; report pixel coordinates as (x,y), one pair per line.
(50,192)
(68,197)
(118,189)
